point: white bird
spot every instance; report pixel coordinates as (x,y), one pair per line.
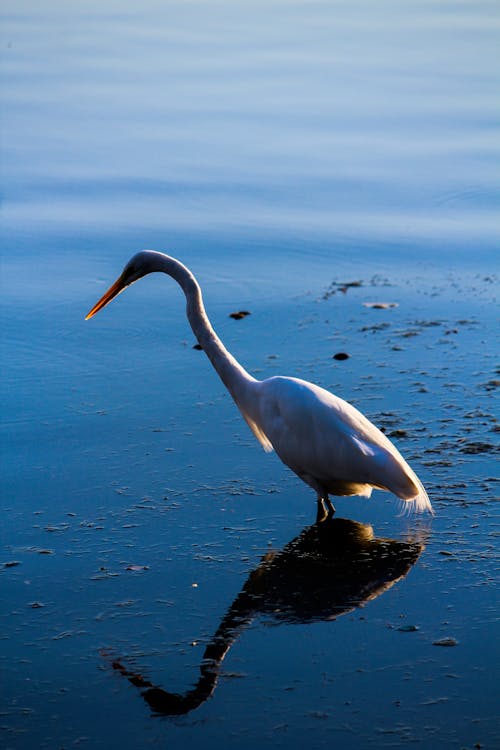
(328,443)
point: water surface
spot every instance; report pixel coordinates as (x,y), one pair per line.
(279,149)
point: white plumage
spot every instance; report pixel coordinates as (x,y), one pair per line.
(328,443)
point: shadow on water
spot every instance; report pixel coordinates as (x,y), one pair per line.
(328,570)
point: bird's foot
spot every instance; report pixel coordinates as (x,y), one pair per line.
(325,509)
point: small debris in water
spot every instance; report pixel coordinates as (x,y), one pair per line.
(492,385)
(36,605)
(340,286)
(445,642)
(408,334)
(58,527)
(341,356)
(478,447)
(380,305)
(398,433)
(408,628)
(376,327)
(239,314)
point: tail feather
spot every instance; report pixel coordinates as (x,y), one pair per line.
(420,503)
(403,482)
(416,501)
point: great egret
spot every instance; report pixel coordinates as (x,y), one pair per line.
(328,443)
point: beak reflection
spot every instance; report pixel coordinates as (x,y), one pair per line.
(328,570)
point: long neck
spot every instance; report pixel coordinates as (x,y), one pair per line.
(232,374)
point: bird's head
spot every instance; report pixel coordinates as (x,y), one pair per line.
(138,266)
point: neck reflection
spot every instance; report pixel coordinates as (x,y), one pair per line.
(328,570)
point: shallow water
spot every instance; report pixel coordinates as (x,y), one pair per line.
(280,151)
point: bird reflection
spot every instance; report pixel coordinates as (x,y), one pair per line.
(328,570)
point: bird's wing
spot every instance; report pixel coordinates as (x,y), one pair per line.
(319,434)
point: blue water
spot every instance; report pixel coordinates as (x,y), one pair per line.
(275,148)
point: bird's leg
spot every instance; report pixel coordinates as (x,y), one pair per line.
(325,508)
(331,507)
(322,513)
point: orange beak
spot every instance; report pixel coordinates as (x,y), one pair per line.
(106,298)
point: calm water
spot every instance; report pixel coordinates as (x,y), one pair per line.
(276,148)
